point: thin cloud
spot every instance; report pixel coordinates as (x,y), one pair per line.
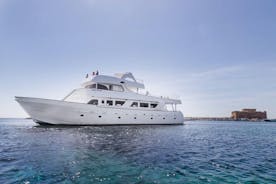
(217,72)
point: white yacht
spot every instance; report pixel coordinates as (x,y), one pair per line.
(104,100)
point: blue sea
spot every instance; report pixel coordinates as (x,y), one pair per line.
(197,152)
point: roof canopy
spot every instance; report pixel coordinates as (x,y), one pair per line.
(126,79)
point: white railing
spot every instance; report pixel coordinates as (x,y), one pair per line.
(157,96)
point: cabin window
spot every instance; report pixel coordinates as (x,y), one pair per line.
(119,103)
(109,102)
(116,88)
(93,102)
(102,86)
(134,104)
(146,105)
(153,105)
(98,86)
(93,86)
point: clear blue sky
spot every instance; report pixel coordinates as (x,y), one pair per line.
(217,55)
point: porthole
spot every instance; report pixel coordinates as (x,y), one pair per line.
(135,118)
(81,115)
(119,117)
(151,118)
(100,116)
(164,118)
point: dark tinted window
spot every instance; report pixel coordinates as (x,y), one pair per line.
(109,102)
(100,86)
(134,104)
(93,102)
(91,86)
(153,105)
(119,103)
(144,105)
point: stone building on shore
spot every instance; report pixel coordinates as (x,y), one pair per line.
(248,114)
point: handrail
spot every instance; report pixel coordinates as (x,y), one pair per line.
(69,95)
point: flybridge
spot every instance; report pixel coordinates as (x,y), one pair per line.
(122,82)
(125,79)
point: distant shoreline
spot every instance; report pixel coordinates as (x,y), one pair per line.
(225,119)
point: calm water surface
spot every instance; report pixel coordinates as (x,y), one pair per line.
(198,152)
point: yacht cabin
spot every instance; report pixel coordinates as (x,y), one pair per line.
(119,91)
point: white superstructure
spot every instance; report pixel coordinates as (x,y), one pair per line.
(104,100)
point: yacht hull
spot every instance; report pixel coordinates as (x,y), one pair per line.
(56,112)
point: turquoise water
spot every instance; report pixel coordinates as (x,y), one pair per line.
(198,152)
